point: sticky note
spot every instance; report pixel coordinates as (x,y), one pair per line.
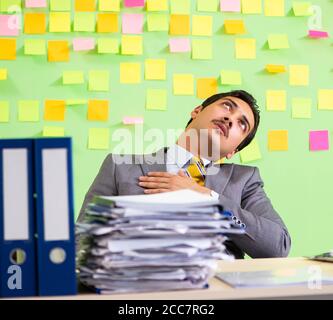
(230,5)
(109,5)
(276,100)
(84,22)
(54,110)
(134,3)
(301,108)
(179,25)
(131,45)
(317,34)
(98,110)
(58,51)
(325,99)
(4,111)
(28,110)
(34,47)
(9,5)
(34,23)
(107,22)
(302,8)
(72,77)
(179,45)
(202,49)
(130,72)
(229,77)
(155,69)
(156,99)
(157,22)
(275,68)
(83,44)
(60,22)
(234,26)
(278,41)
(251,6)
(299,75)
(206,87)
(7,49)
(132,23)
(202,25)
(183,84)
(207,5)
(35,3)
(277,140)
(180,6)
(75,102)
(99,80)
(132,120)
(60,5)
(85,5)
(107,45)
(157,5)
(245,48)
(3,74)
(318,140)
(274,8)
(251,152)
(98,138)
(9,25)
(49,131)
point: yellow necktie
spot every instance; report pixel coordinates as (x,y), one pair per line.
(196,170)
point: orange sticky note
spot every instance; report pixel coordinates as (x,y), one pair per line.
(7,49)
(206,87)
(234,26)
(107,22)
(98,110)
(85,5)
(278,140)
(54,110)
(34,23)
(179,24)
(58,51)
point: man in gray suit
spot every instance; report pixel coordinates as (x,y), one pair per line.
(224,124)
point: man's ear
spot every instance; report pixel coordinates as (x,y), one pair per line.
(231,154)
(196,111)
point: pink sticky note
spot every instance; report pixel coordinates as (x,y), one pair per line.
(318,140)
(132,120)
(179,45)
(230,5)
(317,34)
(134,3)
(83,44)
(132,23)
(9,25)
(35,3)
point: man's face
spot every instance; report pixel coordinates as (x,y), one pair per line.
(223,124)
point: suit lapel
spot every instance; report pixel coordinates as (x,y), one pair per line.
(217,181)
(154,162)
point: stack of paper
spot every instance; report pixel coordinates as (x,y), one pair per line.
(155,242)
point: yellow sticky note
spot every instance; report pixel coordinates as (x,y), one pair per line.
(202,25)
(274,8)
(109,5)
(130,72)
(107,22)
(34,23)
(28,110)
(85,5)
(325,99)
(301,108)
(206,87)
(302,8)
(7,49)
(99,80)
(84,22)
(202,49)
(299,75)
(234,26)
(107,45)
(157,5)
(131,45)
(251,6)
(277,140)
(276,100)
(3,74)
(251,152)
(156,99)
(155,69)
(98,110)
(278,41)
(183,84)
(275,68)
(72,77)
(50,131)
(230,77)
(245,48)
(157,22)
(4,111)
(98,138)
(54,110)
(179,24)
(60,22)
(58,51)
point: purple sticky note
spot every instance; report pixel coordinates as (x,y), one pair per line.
(35,3)
(83,44)
(317,34)
(318,140)
(179,45)
(132,23)
(9,25)
(134,3)
(230,5)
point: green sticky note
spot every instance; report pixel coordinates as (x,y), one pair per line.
(75,102)
(28,110)
(99,80)
(53,131)
(229,77)
(301,108)
(157,22)
(207,5)
(202,49)
(107,45)
(251,152)
(72,77)
(84,22)
(180,6)
(98,138)
(10,5)
(4,111)
(278,41)
(302,8)
(35,47)
(156,99)
(60,5)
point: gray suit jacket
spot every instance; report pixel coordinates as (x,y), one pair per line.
(240,188)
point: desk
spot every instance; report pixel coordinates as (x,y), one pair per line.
(220,290)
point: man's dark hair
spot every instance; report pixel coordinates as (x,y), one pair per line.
(249,99)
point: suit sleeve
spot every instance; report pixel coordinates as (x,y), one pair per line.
(266,234)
